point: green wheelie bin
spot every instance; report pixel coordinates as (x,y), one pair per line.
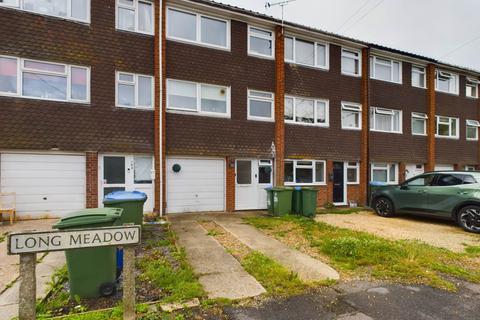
(269,200)
(282,201)
(309,202)
(91,271)
(297,200)
(130,201)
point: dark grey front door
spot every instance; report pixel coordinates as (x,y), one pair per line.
(338,183)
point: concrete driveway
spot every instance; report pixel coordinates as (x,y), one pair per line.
(439,233)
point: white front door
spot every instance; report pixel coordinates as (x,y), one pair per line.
(126,173)
(413,170)
(252,177)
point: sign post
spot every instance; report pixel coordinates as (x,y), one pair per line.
(28,244)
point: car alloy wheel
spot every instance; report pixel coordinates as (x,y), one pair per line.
(469,218)
(383,207)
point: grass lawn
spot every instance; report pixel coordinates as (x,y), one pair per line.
(341,210)
(360,254)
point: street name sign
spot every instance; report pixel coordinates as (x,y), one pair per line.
(59,240)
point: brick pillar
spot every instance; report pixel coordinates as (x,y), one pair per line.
(157,111)
(279,106)
(230,185)
(92,179)
(401,172)
(431,106)
(329,172)
(164,103)
(364,138)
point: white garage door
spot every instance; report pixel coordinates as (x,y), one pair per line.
(45,184)
(198,186)
(443,167)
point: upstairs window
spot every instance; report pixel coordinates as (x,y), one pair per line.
(308,53)
(78,10)
(203,99)
(472,130)
(351,62)
(385,69)
(384,172)
(418,77)
(446,82)
(260,42)
(198,29)
(304,172)
(260,105)
(134,90)
(446,127)
(306,111)
(471,89)
(135,16)
(44,80)
(351,116)
(419,124)
(385,120)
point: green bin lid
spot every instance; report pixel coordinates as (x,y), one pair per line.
(282,188)
(89,217)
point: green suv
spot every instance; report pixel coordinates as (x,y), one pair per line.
(445,194)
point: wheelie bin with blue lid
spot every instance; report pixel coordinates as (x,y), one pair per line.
(131,202)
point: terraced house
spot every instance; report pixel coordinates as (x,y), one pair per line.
(202,105)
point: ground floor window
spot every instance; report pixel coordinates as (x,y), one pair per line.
(470,168)
(304,172)
(353,173)
(384,172)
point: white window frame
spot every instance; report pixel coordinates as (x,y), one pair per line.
(387,167)
(420,116)
(199,111)
(135,88)
(198,29)
(271,38)
(348,165)
(472,124)
(315,43)
(315,101)
(423,72)
(352,107)
(67,74)
(135,9)
(359,58)
(472,82)
(445,74)
(314,173)
(20,6)
(470,168)
(373,62)
(386,111)
(251,96)
(438,122)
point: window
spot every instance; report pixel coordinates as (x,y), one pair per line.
(385,69)
(260,42)
(142,169)
(44,80)
(353,173)
(446,82)
(305,172)
(421,181)
(260,105)
(446,180)
(472,130)
(78,10)
(419,124)
(470,168)
(265,171)
(418,77)
(198,29)
(135,16)
(198,98)
(134,90)
(306,111)
(351,116)
(471,89)
(446,127)
(385,120)
(351,62)
(308,53)
(384,172)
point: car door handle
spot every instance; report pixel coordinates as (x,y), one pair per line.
(463,192)
(422,191)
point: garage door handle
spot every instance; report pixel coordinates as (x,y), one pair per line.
(44,198)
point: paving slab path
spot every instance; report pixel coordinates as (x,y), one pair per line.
(307,268)
(220,274)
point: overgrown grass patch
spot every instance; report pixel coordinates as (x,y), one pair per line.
(341,210)
(363,254)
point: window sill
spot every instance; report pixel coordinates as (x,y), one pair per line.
(417,87)
(351,129)
(307,124)
(449,93)
(195,43)
(351,75)
(419,134)
(450,138)
(353,183)
(381,131)
(6,95)
(199,114)
(326,69)
(270,120)
(388,81)
(135,108)
(81,22)
(261,56)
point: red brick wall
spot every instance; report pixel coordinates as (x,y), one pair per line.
(365,141)
(91,179)
(279,106)
(41,125)
(230,184)
(431,111)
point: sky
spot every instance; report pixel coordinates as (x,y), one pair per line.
(447,30)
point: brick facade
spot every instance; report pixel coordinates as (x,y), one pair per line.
(91,179)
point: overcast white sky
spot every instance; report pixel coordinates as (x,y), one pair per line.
(448,30)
